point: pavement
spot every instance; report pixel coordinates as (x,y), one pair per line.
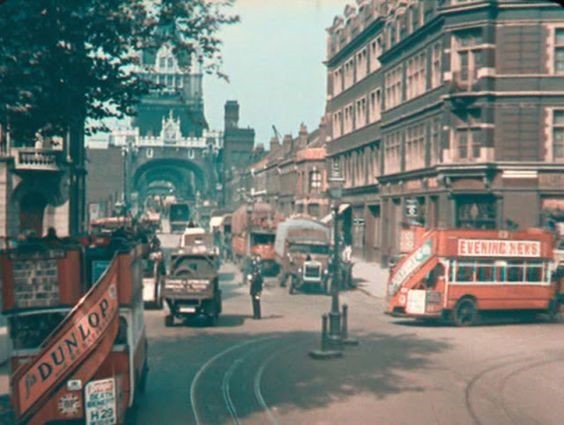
(370,278)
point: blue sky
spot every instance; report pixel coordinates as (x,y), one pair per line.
(274,62)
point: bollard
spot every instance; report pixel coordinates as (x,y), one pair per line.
(324,332)
(345,330)
(325,353)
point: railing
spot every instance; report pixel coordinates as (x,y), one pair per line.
(38,159)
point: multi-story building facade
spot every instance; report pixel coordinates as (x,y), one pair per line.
(447,113)
(293,177)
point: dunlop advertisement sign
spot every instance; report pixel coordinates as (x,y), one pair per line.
(77,337)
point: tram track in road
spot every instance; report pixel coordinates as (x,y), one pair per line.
(238,358)
(515,367)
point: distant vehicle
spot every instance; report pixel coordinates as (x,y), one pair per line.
(302,251)
(253,234)
(179,217)
(455,274)
(154,273)
(192,287)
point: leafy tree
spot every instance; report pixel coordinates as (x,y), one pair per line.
(63,62)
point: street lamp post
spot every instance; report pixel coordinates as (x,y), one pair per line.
(331,336)
(249,210)
(336,182)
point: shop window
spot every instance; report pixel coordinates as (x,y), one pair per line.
(476,212)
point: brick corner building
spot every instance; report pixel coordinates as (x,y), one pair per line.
(449,113)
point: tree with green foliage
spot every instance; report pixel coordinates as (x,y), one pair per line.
(66,62)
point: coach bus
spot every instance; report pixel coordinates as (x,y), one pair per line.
(456,274)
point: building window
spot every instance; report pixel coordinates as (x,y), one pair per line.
(435,148)
(415,147)
(337,124)
(393,84)
(349,73)
(338,81)
(162,62)
(170,63)
(414,16)
(360,116)
(468,54)
(416,76)
(315,181)
(391,35)
(468,135)
(559,50)
(375,105)
(392,154)
(558,135)
(375,52)
(361,64)
(348,119)
(436,71)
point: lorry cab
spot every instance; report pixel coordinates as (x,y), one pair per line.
(192,286)
(307,264)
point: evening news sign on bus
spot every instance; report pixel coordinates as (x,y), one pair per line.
(498,248)
(100,401)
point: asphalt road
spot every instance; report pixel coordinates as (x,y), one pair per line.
(246,371)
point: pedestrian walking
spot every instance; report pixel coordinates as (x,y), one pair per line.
(256,290)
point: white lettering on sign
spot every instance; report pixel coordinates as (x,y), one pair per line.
(100,402)
(498,248)
(413,262)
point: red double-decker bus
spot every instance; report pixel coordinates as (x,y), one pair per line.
(458,273)
(75,317)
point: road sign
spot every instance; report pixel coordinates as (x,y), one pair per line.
(411,209)
(100,401)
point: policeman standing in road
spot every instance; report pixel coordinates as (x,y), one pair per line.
(256,288)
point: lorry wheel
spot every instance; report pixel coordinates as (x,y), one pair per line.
(169,320)
(465,312)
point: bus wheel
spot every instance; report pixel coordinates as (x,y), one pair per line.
(465,313)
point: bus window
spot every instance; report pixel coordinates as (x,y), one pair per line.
(534,272)
(485,272)
(465,272)
(515,271)
(501,271)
